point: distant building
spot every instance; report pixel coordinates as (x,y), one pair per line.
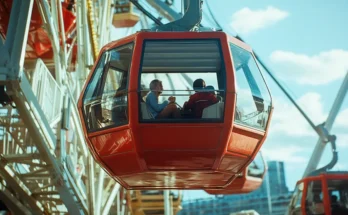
(276,175)
(272,198)
(226,205)
(247,212)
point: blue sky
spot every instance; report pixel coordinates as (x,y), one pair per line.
(305,44)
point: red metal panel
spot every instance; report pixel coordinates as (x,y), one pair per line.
(179,137)
(179,160)
(238,186)
(112,143)
(242,144)
(122,164)
(233,163)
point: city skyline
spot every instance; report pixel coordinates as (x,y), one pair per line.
(272,197)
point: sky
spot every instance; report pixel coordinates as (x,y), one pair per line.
(305,45)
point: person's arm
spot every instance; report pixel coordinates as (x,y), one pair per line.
(213,99)
(189,104)
(153,103)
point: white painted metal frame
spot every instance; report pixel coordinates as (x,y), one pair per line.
(44,159)
(320,146)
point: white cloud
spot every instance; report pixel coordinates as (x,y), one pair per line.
(342,142)
(342,119)
(288,120)
(246,20)
(318,69)
(285,153)
(312,105)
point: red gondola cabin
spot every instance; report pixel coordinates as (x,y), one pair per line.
(198,147)
(250,180)
(324,193)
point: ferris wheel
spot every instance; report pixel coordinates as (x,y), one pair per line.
(56,157)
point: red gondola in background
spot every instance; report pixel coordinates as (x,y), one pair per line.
(39,44)
(250,180)
(321,193)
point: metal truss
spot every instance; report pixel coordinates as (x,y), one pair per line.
(45,167)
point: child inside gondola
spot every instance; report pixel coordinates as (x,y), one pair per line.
(165,110)
(201,99)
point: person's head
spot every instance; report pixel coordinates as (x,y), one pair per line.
(210,89)
(333,199)
(144,90)
(316,198)
(156,85)
(198,84)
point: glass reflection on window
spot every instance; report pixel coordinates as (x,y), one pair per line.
(253,98)
(257,167)
(105,99)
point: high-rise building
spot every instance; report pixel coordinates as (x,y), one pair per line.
(276,176)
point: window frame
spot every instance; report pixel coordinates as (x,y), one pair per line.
(104,73)
(263,79)
(221,80)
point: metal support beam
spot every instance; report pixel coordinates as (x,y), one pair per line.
(100,191)
(61,31)
(17,35)
(90,185)
(63,129)
(20,188)
(35,115)
(36,127)
(51,29)
(118,203)
(189,22)
(39,171)
(320,146)
(12,203)
(104,23)
(45,176)
(111,199)
(21,157)
(45,193)
(167,206)
(165,10)
(83,45)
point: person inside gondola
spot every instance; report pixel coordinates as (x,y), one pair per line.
(211,89)
(336,208)
(201,99)
(119,106)
(316,206)
(167,109)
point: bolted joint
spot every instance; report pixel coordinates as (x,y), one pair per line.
(3,160)
(323,133)
(189,22)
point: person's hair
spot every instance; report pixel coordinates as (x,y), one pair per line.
(198,84)
(154,84)
(210,89)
